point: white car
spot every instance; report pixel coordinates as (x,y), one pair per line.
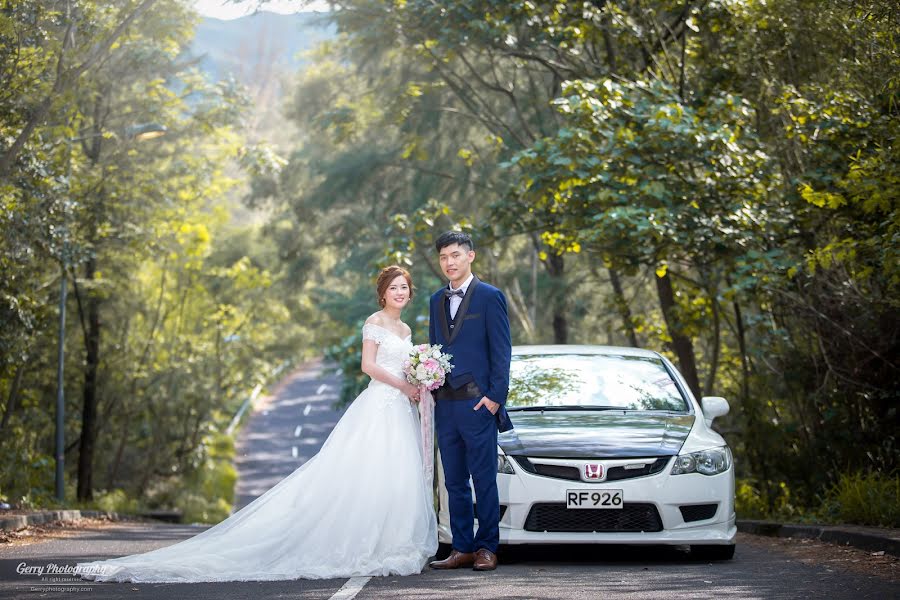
(609,446)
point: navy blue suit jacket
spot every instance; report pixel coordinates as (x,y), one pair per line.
(479,341)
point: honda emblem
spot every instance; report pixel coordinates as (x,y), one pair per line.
(593,471)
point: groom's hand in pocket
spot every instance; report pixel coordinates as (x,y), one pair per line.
(491,405)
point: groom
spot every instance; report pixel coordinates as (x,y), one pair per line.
(469,319)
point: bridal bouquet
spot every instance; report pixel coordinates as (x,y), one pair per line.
(427,366)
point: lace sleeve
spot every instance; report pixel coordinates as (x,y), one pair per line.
(374,333)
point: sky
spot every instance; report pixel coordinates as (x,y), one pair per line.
(222,9)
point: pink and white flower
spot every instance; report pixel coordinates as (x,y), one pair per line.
(427,366)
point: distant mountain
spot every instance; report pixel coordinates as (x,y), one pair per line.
(252,48)
(262,51)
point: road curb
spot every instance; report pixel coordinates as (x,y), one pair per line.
(866,538)
(17,522)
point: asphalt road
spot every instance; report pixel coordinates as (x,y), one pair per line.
(286,430)
(759,570)
(293,426)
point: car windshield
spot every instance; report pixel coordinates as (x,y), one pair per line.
(608,381)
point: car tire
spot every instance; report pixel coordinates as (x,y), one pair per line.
(443,551)
(713,552)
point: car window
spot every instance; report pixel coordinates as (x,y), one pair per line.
(627,382)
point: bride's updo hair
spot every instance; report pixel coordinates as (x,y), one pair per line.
(387,275)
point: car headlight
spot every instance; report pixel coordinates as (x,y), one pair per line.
(504,466)
(705,462)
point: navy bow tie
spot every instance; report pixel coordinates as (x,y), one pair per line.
(450,293)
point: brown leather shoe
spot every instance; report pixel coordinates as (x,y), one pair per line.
(456,560)
(485,560)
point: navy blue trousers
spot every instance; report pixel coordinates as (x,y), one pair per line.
(467,440)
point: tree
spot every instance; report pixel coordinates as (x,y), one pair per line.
(174,322)
(70,55)
(727,164)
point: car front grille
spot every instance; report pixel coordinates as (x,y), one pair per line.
(617,473)
(557,471)
(698,512)
(632,516)
(570,473)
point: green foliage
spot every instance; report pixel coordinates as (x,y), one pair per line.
(34,486)
(752,501)
(191,307)
(347,357)
(673,180)
(196,508)
(858,497)
(741,154)
(864,498)
(116,501)
(748,501)
(207,493)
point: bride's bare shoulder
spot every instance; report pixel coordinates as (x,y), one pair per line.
(375,319)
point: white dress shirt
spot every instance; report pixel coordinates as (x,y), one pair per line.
(455,301)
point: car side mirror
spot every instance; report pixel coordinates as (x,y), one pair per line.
(713,406)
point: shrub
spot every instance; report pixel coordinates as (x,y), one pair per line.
(753,500)
(864,499)
(116,501)
(208,491)
(748,502)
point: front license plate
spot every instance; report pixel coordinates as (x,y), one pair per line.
(594,498)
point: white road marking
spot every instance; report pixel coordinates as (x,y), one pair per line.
(298,430)
(350,589)
(307,410)
(294,451)
(321,389)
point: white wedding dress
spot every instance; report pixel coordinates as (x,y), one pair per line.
(361,506)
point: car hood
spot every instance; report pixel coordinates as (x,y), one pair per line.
(595,434)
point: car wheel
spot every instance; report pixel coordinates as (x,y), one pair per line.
(713,552)
(443,551)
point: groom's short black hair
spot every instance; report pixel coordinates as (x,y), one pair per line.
(448,238)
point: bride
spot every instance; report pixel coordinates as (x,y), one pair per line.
(361,506)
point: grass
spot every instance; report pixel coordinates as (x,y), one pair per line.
(860,498)
(205,495)
(864,499)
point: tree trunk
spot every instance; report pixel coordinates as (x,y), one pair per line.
(759,465)
(120,451)
(560,327)
(520,309)
(13,396)
(716,343)
(89,408)
(534,291)
(681,344)
(622,305)
(556,267)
